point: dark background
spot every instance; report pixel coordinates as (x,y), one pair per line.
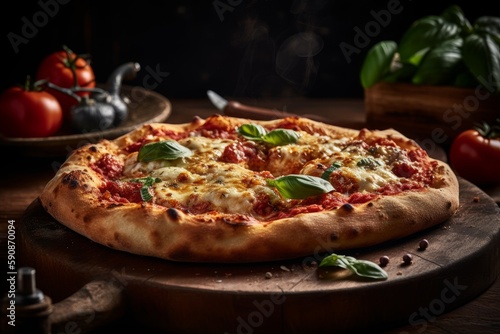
(259,48)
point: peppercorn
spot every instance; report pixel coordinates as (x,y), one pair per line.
(407,258)
(384,260)
(423,244)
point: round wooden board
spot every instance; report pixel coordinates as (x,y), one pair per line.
(462,260)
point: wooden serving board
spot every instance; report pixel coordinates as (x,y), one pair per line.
(295,296)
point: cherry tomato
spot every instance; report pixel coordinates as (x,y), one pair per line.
(475,156)
(28,112)
(66,69)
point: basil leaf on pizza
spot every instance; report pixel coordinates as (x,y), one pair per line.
(281,137)
(326,174)
(276,137)
(165,149)
(297,186)
(146,183)
(252,131)
(368,162)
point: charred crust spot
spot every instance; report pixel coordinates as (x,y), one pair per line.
(93,148)
(353,232)
(347,207)
(334,236)
(71,181)
(173,214)
(448,205)
(370,204)
(87,219)
(89,157)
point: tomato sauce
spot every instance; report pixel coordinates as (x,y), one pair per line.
(122,192)
(109,166)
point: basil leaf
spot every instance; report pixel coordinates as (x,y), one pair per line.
(146,183)
(361,268)
(368,162)
(367,269)
(465,79)
(276,137)
(333,260)
(145,194)
(481,55)
(454,14)
(299,186)
(439,65)
(326,174)
(488,24)
(424,34)
(166,149)
(402,73)
(377,63)
(252,131)
(280,137)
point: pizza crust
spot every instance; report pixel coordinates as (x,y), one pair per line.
(71,197)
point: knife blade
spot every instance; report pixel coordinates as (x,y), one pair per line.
(237,109)
(218,101)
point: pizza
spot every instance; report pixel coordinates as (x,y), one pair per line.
(227,189)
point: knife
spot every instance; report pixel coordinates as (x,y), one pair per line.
(237,109)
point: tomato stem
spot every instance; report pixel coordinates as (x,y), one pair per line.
(488,131)
(71,60)
(27,83)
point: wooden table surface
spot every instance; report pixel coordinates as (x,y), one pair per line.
(24,178)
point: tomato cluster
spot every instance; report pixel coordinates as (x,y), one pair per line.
(33,110)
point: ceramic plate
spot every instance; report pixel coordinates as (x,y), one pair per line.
(145,107)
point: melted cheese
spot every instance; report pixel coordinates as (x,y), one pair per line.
(202,182)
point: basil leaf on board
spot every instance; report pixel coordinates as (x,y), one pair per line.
(377,63)
(299,186)
(326,174)
(361,268)
(367,269)
(252,131)
(281,137)
(481,55)
(454,14)
(166,149)
(439,65)
(424,34)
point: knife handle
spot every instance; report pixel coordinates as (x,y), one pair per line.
(236,109)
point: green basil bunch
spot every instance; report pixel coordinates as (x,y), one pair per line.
(439,50)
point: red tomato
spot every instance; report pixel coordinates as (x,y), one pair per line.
(29,113)
(476,158)
(66,69)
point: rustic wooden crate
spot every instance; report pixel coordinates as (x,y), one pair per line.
(429,113)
